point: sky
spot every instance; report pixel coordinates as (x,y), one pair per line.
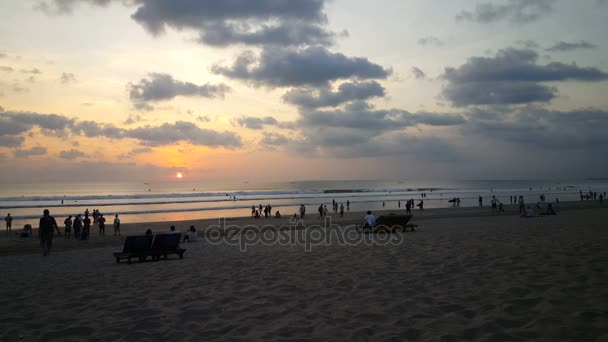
(279,90)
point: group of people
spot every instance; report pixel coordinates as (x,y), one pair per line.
(267,210)
(82,226)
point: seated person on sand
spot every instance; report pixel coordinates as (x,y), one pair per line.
(26,231)
(191,235)
(277,214)
(550,210)
(370,219)
(529,213)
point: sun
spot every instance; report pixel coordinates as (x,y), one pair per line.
(179,175)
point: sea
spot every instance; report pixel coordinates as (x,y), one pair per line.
(182,200)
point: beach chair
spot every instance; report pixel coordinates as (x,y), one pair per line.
(165,244)
(135,247)
(390,224)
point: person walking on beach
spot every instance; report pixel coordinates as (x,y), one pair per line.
(102,224)
(302,210)
(494,202)
(9,222)
(408,207)
(421,205)
(342,208)
(46,229)
(321,210)
(480,201)
(522,204)
(68,227)
(601,199)
(77,226)
(86,229)
(347,205)
(116,225)
(398,204)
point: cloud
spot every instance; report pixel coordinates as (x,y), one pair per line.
(364,117)
(34,71)
(66,6)
(515,11)
(274,139)
(71,154)
(11,140)
(14,124)
(419,74)
(222,23)
(183,131)
(6,68)
(87,104)
(566,46)
(511,77)
(34,151)
(3,55)
(254,122)
(324,97)
(67,78)
(549,129)
(161,87)
(430,41)
(131,119)
(313,66)
(203,118)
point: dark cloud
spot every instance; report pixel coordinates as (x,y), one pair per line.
(430,40)
(161,87)
(34,151)
(3,55)
(324,97)
(221,23)
(511,77)
(14,124)
(419,74)
(87,104)
(6,68)
(254,122)
(566,46)
(313,66)
(515,11)
(362,116)
(67,77)
(582,129)
(183,131)
(11,140)
(71,154)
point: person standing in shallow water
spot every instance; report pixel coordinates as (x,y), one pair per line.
(47,228)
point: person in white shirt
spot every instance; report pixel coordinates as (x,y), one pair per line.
(370,219)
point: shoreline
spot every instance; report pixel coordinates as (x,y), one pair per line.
(11,244)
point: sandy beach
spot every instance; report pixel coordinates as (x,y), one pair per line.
(465,274)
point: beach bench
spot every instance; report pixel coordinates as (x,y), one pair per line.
(165,244)
(390,224)
(135,247)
